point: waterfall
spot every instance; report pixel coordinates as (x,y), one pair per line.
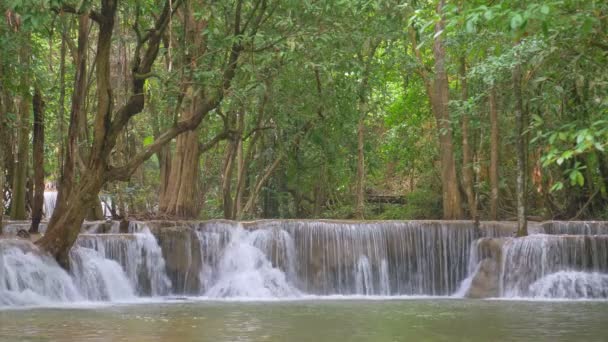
(244,270)
(538,265)
(348,258)
(98,278)
(138,254)
(576,227)
(288,258)
(50,199)
(28,277)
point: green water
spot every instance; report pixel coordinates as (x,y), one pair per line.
(323,320)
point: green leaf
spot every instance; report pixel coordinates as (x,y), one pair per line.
(516,21)
(544,9)
(148,140)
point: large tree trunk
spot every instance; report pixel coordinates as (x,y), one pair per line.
(18,200)
(38,160)
(467,155)
(522,229)
(64,230)
(180,194)
(494,148)
(439,102)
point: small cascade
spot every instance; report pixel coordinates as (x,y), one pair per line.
(400,258)
(28,277)
(543,265)
(50,199)
(363,277)
(576,227)
(138,254)
(98,278)
(571,285)
(243,270)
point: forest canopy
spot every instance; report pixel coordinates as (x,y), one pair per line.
(241,109)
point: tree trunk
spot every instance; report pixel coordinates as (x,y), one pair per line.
(360,188)
(439,103)
(64,230)
(180,194)
(18,200)
(78,101)
(61,112)
(3,130)
(180,200)
(250,205)
(494,148)
(229,159)
(522,229)
(467,155)
(38,160)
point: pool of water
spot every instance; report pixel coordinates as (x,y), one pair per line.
(313,320)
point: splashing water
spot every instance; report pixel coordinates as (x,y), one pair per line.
(244,271)
(28,277)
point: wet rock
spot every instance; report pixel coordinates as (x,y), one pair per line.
(24,234)
(181,251)
(485,283)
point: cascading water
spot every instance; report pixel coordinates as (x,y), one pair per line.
(243,269)
(138,254)
(98,278)
(279,259)
(50,199)
(28,277)
(545,265)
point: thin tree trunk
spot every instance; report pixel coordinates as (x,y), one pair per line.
(439,103)
(249,207)
(61,112)
(18,200)
(227,178)
(360,188)
(38,158)
(494,148)
(78,102)
(522,229)
(366,58)
(3,130)
(467,155)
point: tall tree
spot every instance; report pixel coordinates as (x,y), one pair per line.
(38,160)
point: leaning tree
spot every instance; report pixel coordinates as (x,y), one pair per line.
(78,191)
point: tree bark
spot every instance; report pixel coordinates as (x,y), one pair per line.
(467,155)
(249,206)
(18,200)
(180,200)
(3,130)
(180,194)
(360,187)
(494,157)
(439,103)
(61,112)
(522,229)
(68,173)
(38,160)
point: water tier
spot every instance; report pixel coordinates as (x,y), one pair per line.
(279,259)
